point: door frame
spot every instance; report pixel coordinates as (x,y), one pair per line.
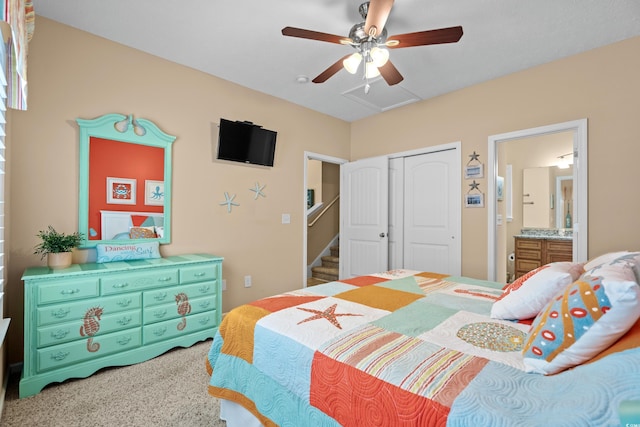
(580,175)
(309,155)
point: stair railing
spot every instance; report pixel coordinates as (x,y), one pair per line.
(322,212)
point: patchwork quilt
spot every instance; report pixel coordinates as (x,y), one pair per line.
(405,348)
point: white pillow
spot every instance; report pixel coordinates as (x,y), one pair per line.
(527,295)
(631,258)
(586,318)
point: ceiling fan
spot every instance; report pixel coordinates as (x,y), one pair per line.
(369,39)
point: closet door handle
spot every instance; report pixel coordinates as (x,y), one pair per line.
(382,234)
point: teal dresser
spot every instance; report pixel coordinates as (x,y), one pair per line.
(90,316)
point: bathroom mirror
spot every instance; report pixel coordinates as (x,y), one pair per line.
(125,181)
(547,197)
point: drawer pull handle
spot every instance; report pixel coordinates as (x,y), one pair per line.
(120,285)
(204,289)
(205,304)
(124,302)
(125,320)
(165,279)
(70,291)
(527,203)
(60,313)
(59,334)
(160,331)
(61,355)
(124,340)
(205,320)
(159,314)
(160,296)
(199,274)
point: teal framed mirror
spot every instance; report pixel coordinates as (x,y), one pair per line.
(124,181)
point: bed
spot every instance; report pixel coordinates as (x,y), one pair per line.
(408,348)
(118,225)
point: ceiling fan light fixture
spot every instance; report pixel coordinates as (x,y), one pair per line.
(379,56)
(352,63)
(371,70)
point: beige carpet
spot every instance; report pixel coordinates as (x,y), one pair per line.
(170,390)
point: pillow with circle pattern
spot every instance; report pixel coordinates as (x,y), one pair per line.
(528,294)
(584,319)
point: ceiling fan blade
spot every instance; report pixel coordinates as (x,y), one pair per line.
(422,38)
(324,76)
(377,16)
(390,74)
(314,35)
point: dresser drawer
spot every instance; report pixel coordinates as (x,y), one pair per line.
(58,334)
(533,244)
(176,327)
(68,289)
(165,295)
(199,273)
(119,283)
(65,312)
(525,265)
(78,351)
(529,254)
(158,313)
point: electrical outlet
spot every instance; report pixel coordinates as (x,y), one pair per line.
(286,218)
(224,284)
(247,281)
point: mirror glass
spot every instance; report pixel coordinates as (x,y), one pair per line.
(546,197)
(125,181)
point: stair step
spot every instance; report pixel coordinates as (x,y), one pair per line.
(330,261)
(335,251)
(325,273)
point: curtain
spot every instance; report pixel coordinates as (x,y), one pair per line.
(20,16)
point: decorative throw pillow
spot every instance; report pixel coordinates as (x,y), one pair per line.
(127,251)
(584,319)
(527,295)
(142,233)
(631,258)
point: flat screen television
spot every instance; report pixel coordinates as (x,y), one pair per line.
(246,142)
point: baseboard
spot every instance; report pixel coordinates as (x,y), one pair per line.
(3,393)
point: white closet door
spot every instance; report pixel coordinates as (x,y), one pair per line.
(396,213)
(432,212)
(364,217)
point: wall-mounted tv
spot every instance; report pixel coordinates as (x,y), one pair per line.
(246,142)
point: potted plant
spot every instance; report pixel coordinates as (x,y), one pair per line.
(57,247)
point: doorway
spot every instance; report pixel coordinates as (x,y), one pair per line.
(496,255)
(319,202)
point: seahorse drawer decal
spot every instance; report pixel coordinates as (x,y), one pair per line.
(184,308)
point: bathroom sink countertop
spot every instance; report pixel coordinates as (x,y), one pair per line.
(544,236)
(545,233)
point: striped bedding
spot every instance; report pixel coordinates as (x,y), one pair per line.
(404,348)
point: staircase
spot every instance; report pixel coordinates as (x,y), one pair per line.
(328,271)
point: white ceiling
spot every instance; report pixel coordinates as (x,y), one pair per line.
(240,41)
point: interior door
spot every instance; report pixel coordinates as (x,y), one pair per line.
(432,212)
(364,212)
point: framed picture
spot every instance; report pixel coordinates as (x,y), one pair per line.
(474,171)
(121,191)
(475,200)
(500,189)
(311,198)
(153,192)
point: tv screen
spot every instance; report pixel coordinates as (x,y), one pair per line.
(245,142)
